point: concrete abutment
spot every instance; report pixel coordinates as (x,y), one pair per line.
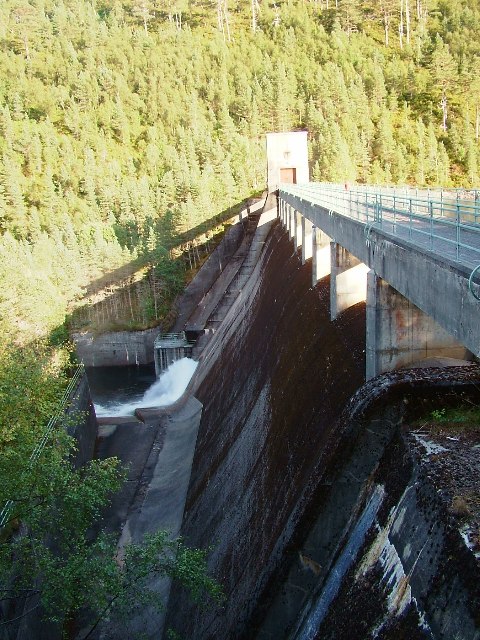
(399,333)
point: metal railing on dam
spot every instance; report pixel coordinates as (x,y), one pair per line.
(446,222)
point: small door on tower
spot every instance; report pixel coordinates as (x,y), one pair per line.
(288,175)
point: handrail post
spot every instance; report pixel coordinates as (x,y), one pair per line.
(376,208)
(458,228)
(394,212)
(431,224)
(410,221)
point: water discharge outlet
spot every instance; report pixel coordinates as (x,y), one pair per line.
(166,390)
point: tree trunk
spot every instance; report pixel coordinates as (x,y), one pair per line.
(407,19)
(444,110)
(223,20)
(27,48)
(197,252)
(220,19)
(400,26)
(386,26)
(130,300)
(154,291)
(189,258)
(227,21)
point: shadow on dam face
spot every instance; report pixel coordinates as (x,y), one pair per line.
(267,436)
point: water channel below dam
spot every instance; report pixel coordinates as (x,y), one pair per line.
(112,387)
(119,391)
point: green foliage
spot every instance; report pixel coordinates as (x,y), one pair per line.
(48,553)
(438,414)
(466,415)
(52,502)
(159,556)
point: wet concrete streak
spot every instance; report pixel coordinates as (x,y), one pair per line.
(441,574)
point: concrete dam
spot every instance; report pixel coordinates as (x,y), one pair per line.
(326,515)
(300,468)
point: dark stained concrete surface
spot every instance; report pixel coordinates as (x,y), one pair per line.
(288,459)
(278,374)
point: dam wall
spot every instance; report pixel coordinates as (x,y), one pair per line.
(118,348)
(81,421)
(273,381)
(319,507)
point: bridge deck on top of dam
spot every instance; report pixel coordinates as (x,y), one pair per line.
(424,243)
(445,222)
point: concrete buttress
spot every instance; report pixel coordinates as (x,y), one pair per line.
(320,255)
(399,333)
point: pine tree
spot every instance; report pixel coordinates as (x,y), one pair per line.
(141,9)
(387,11)
(443,69)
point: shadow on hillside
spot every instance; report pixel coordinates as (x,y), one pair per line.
(127,270)
(137,296)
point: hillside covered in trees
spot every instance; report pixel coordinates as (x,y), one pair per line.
(125,123)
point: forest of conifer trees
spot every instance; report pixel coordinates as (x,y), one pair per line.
(124,123)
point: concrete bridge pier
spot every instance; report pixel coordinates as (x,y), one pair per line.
(307,240)
(286,219)
(348,280)
(283,214)
(297,229)
(280,206)
(399,333)
(321,262)
(291,222)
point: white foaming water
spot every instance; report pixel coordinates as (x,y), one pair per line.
(168,388)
